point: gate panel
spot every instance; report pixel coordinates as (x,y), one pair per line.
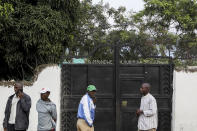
(131,78)
(103,77)
(79,78)
(75,79)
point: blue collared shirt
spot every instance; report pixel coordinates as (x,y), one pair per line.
(86,109)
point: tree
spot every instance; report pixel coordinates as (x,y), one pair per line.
(177,16)
(91,29)
(37,32)
(95,30)
(5,9)
(41,32)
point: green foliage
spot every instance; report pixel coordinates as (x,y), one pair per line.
(39,32)
(160,17)
(148,33)
(5,9)
(182,12)
(94,29)
(35,33)
(91,29)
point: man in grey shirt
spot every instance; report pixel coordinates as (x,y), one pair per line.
(47,114)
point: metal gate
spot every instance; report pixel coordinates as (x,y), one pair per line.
(118,94)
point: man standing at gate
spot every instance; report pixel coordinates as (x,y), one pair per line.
(86,110)
(147,113)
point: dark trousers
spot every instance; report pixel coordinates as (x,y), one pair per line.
(11,127)
(47,130)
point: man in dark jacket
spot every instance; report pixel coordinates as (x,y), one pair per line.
(17,110)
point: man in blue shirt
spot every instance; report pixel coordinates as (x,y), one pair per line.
(86,110)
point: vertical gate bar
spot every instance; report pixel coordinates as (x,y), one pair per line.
(87,67)
(171,82)
(171,87)
(145,73)
(160,82)
(117,85)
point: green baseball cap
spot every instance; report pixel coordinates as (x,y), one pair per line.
(91,88)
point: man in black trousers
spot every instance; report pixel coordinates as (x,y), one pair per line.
(17,110)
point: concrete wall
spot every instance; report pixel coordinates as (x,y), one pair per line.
(50,78)
(185,102)
(184,116)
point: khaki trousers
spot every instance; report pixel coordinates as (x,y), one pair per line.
(148,130)
(83,126)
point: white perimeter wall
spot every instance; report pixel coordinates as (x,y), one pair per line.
(185,102)
(50,78)
(184,116)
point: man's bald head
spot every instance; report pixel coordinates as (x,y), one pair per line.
(146,85)
(18,86)
(145,88)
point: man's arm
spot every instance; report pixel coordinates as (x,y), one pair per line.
(87,112)
(5,121)
(152,110)
(54,113)
(25,103)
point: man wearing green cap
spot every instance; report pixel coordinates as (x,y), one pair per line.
(86,110)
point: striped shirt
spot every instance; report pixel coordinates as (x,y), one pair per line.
(149,119)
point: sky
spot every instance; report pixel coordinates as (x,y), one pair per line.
(131,5)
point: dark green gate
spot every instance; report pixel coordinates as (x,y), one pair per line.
(115,106)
